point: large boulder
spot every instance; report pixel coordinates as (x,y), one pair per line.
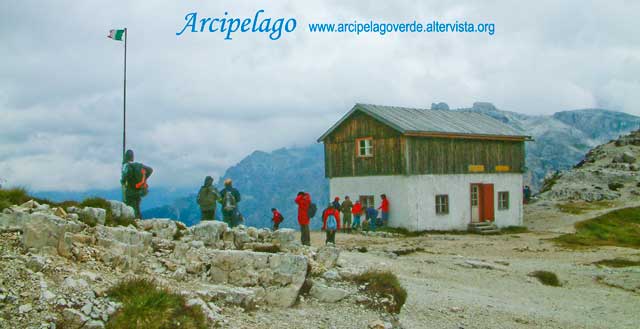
(45,232)
(123,245)
(327,256)
(161,228)
(281,275)
(93,215)
(119,209)
(208,232)
(327,294)
(286,238)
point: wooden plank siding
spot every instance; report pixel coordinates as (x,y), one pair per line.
(453,155)
(397,154)
(341,159)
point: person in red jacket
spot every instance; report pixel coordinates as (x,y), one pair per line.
(304,200)
(384,209)
(333,211)
(277,218)
(356,210)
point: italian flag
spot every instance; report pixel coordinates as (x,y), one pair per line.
(116,34)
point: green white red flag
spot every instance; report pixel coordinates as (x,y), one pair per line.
(116,34)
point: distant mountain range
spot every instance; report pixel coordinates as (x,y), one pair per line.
(269,180)
(265,181)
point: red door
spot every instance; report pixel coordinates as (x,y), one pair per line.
(486,199)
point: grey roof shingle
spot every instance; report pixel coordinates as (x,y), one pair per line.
(411,120)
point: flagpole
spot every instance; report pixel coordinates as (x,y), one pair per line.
(124,99)
(124,109)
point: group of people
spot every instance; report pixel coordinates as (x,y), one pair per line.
(350,213)
(338,216)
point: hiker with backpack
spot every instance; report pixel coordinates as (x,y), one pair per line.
(357,213)
(332,224)
(345,207)
(306,211)
(276,219)
(371,216)
(207,199)
(134,181)
(230,197)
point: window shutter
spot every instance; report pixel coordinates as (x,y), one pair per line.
(487,202)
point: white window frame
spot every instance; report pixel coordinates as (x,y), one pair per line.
(367,147)
(442,204)
(503,200)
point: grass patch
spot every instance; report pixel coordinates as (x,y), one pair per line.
(580,207)
(617,262)
(547,278)
(270,248)
(18,196)
(616,228)
(145,305)
(514,229)
(384,284)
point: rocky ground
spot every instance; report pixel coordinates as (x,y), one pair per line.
(610,171)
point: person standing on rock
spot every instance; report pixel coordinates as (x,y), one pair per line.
(230,197)
(331,212)
(207,199)
(303,200)
(276,219)
(134,181)
(331,225)
(346,214)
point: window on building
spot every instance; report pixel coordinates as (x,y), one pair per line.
(503,200)
(365,147)
(366,201)
(442,204)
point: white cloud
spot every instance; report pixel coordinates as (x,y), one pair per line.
(197,103)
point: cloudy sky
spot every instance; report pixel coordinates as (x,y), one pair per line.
(197,103)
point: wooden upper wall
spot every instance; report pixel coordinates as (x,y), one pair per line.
(396,154)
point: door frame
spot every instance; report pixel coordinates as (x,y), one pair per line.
(478,201)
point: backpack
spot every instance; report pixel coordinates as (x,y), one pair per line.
(312,210)
(138,178)
(229,202)
(332,224)
(207,196)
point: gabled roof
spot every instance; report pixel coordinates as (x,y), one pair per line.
(412,121)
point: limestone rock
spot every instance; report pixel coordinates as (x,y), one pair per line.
(327,294)
(211,315)
(161,228)
(327,256)
(120,209)
(286,238)
(91,214)
(282,275)
(208,232)
(73,318)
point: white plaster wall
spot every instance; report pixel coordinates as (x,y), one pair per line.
(423,189)
(412,198)
(395,187)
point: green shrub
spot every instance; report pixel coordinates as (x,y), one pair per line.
(145,305)
(617,262)
(514,229)
(580,207)
(547,278)
(615,186)
(19,195)
(616,228)
(384,284)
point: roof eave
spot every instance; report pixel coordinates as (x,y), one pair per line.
(359,107)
